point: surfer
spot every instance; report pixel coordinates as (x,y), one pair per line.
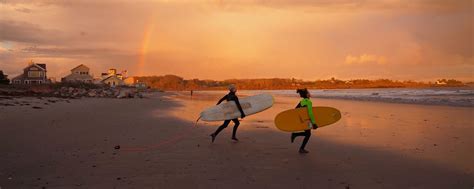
(230,97)
(305,102)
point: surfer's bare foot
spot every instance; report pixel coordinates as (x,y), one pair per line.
(213,137)
(235,139)
(293,136)
(303,151)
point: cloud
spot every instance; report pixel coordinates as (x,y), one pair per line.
(69,51)
(18,31)
(438,5)
(24,10)
(365,59)
(348,5)
(218,39)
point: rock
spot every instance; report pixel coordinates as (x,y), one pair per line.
(91,93)
(82,91)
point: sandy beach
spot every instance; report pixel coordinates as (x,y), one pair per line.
(151,143)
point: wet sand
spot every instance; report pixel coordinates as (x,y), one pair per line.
(151,143)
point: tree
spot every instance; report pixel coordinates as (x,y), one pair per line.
(3,78)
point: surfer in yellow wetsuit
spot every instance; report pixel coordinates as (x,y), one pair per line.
(230,97)
(305,102)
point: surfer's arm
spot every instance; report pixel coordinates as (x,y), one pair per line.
(239,107)
(298,106)
(222,99)
(310,112)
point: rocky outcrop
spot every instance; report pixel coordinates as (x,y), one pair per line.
(73,92)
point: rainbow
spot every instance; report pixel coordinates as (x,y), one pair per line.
(145,46)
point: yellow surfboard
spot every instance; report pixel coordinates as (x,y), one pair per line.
(298,119)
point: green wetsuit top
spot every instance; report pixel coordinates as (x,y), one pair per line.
(306,102)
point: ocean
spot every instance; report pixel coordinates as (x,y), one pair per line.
(431,96)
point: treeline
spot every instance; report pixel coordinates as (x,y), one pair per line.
(173,82)
(3,78)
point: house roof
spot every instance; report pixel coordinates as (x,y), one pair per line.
(111,77)
(40,66)
(80,66)
(18,77)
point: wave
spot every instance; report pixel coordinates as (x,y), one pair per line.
(433,96)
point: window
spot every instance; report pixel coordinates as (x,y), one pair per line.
(35,74)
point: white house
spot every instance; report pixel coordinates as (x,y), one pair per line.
(79,74)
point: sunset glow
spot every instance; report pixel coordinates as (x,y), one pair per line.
(403,40)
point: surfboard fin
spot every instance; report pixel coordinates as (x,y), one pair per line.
(195,124)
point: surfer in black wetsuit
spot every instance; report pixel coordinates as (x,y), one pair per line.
(230,97)
(305,102)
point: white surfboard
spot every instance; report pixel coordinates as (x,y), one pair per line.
(228,110)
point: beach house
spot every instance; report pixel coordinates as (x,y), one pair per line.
(79,74)
(112,78)
(113,81)
(34,73)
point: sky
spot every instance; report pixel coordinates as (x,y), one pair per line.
(420,40)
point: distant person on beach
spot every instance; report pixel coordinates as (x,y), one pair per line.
(230,97)
(305,102)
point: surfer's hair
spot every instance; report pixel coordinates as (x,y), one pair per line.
(231,86)
(303,92)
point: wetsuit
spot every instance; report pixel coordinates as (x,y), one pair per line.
(306,102)
(230,97)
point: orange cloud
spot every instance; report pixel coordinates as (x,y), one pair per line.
(365,59)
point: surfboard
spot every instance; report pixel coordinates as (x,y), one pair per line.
(298,119)
(228,110)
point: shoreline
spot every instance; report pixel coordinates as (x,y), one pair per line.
(444,96)
(430,101)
